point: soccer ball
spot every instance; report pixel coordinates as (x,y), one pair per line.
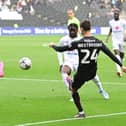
(25,63)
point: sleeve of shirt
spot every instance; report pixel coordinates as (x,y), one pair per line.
(110,54)
(72,46)
(60,57)
(61,48)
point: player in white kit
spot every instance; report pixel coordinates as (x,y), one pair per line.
(68,60)
(117,28)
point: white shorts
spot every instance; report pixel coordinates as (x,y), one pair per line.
(72,66)
(119,46)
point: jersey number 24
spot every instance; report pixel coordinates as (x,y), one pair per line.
(89,56)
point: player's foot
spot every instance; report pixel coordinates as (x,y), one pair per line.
(1,69)
(1,75)
(119,74)
(80,115)
(104,94)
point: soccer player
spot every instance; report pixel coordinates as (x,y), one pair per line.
(72,18)
(88,48)
(68,60)
(117,28)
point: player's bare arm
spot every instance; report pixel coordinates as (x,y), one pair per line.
(108,36)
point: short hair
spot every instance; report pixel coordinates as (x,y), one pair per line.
(70,10)
(73,25)
(86,25)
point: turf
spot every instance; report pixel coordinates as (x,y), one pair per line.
(38,94)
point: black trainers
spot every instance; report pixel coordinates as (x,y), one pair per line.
(80,115)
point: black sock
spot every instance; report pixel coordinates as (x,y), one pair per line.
(121,56)
(76,98)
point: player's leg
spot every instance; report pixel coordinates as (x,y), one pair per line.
(65,72)
(117,54)
(98,83)
(122,56)
(77,83)
(77,102)
(116,49)
(122,50)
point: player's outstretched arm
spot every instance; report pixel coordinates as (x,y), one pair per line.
(106,40)
(59,48)
(108,36)
(51,44)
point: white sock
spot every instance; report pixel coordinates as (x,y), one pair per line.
(64,77)
(117,66)
(98,83)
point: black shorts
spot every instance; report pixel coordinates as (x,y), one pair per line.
(81,77)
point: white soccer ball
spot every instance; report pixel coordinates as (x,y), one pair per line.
(25,63)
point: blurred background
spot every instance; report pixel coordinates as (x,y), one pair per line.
(22,13)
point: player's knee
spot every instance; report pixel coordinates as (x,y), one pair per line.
(66,69)
(74,90)
(117,52)
(75,95)
(121,55)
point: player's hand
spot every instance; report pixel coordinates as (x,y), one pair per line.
(106,40)
(124,69)
(51,44)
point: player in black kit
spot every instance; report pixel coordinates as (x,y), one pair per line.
(88,48)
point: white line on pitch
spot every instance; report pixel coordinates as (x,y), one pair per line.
(46,80)
(29,79)
(70,119)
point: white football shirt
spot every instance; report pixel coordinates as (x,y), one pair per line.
(118,28)
(68,56)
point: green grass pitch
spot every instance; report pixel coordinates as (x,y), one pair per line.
(38,97)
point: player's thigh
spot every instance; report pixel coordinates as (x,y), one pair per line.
(115,46)
(122,47)
(78,81)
